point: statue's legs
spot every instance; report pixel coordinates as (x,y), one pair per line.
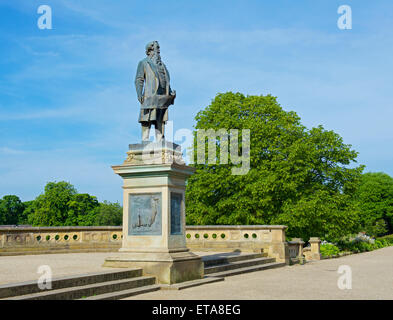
(160,130)
(147,120)
(145,131)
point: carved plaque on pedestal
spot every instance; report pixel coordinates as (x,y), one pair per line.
(176,213)
(145,214)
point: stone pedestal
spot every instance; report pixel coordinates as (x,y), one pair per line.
(315,248)
(278,246)
(154,239)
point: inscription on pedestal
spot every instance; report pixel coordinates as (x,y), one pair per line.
(176,213)
(145,214)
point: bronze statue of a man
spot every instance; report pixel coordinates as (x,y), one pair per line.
(154,92)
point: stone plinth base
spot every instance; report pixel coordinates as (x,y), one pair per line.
(146,153)
(168,267)
(154,182)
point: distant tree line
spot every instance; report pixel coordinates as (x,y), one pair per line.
(60,205)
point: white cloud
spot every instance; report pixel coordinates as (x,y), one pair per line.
(10,151)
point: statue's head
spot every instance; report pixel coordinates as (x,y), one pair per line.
(151,47)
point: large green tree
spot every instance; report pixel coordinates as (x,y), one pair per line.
(11,210)
(62,205)
(82,210)
(51,207)
(109,214)
(29,209)
(298,176)
(375,198)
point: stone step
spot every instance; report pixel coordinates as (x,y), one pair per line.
(238,265)
(78,292)
(224,258)
(192,283)
(124,293)
(30,287)
(260,267)
(133,292)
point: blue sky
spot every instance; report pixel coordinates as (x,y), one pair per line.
(68,107)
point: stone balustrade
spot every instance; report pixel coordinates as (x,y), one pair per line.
(295,248)
(270,239)
(37,240)
(297,253)
(314,251)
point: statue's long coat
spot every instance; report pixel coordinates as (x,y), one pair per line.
(156,98)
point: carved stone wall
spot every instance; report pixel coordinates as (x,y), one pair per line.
(36,240)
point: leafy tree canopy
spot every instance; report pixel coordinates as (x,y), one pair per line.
(51,207)
(299,177)
(375,198)
(62,205)
(11,210)
(82,210)
(109,214)
(29,209)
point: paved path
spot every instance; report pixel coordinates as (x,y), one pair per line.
(24,267)
(372,279)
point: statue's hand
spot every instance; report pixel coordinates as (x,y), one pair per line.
(173,93)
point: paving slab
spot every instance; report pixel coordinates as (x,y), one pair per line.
(24,267)
(372,278)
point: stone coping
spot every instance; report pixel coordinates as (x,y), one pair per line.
(51,229)
(155,167)
(296,242)
(150,144)
(237,227)
(119,228)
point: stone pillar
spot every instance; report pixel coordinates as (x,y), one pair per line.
(300,243)
(154,239)
(278,247)
(315,248)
